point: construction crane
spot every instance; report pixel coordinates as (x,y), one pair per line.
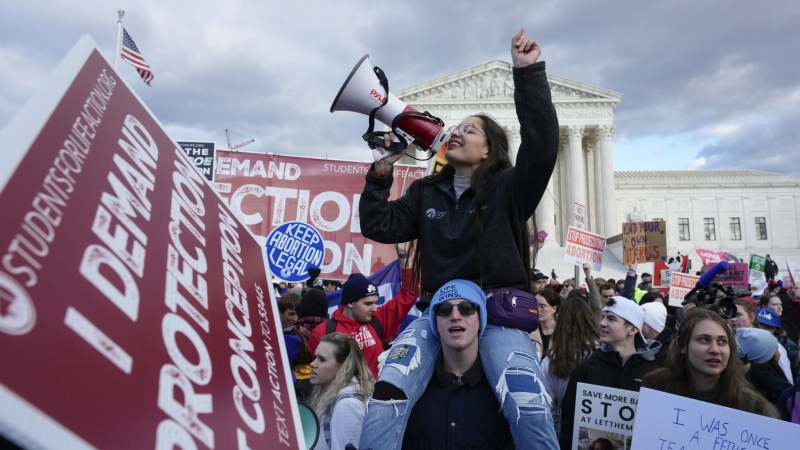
(234,148)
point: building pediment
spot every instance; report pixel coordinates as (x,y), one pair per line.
(494,82)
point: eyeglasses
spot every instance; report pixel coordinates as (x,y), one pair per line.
(464,308)
(465,128)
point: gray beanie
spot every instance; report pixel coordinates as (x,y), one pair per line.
(759,345)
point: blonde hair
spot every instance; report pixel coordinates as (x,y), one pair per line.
(352,369)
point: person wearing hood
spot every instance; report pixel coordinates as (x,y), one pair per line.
(458,408)
(655,328)
(762,369)
(622,360)
(358,313)
(311,311)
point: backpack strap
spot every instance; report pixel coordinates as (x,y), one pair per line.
(330,326)
(377,326)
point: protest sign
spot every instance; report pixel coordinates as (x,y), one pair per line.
(790,267)
(603,413)
(680,285)
(201,154)
(661,274)
(267,190)
(584,247)
(644,241)
(292,249)
(666,421)
(736,275)
(757,265)
(709,257)
(580,216)
(135,310)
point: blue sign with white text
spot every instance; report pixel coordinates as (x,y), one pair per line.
(292,249)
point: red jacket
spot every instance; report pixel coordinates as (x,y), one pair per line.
(390,315)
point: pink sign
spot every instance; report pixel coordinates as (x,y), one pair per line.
(737,275)
(135,310)
(710,257)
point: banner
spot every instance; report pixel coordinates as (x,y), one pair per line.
(584,247)
(268,190)
(135,310)
(757,265)
(680,285)
(709,257)
(666,421)
(201,154)
(644,241)
(737,275)
(603,414)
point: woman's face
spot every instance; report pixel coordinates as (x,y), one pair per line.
(468,149)
(775,305)
(566,290)
(742,319)
(324,366)
(708,351)
(546,312)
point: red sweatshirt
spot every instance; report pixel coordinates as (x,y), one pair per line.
(390,315)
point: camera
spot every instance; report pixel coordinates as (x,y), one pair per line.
(707,298)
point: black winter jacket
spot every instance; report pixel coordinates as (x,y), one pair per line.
(604,368)
(447,228)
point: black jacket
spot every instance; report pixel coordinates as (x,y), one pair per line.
(665,337)
(604,368)
(770,269)
(447,228)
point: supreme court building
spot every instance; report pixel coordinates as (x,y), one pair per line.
(741,211)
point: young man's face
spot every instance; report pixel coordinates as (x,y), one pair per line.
(607,294)
(288,318)
(614,331)
(539,285)
(363,309)
(458,331)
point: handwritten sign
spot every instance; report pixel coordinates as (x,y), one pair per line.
(580,216)
(644,241)
(292,249)
(584,247)
(603,413)
(667,421)
(737,275)
(680,285)
(757,265)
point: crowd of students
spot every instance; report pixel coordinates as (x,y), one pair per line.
(495,358)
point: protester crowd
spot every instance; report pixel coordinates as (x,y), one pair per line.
(495,359)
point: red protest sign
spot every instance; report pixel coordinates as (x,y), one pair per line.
(135,310)
(584,247)
(680,285)
(738,274)
(268,190)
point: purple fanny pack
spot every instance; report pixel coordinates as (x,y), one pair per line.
(513,308)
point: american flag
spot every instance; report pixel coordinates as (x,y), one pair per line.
(131,54)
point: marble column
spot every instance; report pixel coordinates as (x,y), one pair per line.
(514,140)
(576,175)
(546,208)
(606,175)
(561,217)
(591,177)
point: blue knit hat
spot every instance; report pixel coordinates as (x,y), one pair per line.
(459,290)
(357,287)
(759,345)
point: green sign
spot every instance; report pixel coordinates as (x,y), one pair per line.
(757,263)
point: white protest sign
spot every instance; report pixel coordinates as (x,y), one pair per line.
(680,285)
(667,421)
(584,247)
(603,413)
(580,216)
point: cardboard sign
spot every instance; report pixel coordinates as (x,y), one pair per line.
(201,154)
(666,421)
(603,413)
(737,275)
(267,190)
(757,265)
(135,310)
(584,247)
(680,285)
(644,241)
(580,216)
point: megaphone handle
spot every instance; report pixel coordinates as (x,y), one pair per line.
(375,139)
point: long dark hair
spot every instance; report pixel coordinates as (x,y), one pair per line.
(734,391)
(575,337)
(496,163)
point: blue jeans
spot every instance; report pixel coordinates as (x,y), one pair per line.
(509,364)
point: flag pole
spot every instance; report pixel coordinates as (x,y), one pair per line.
(119,38)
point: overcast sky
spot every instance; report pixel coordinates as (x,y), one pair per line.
(706,84)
